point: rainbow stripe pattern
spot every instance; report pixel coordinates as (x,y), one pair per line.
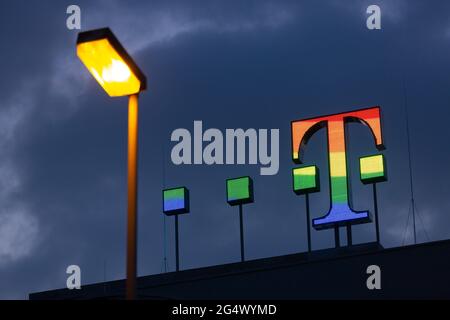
(372,169)
(176,201)
(340,212)
(306,179)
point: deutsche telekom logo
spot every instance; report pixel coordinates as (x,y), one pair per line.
(340,212)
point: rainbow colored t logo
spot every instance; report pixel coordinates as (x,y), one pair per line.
(340,212)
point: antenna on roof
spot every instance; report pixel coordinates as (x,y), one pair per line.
(411,180)
(411,186)
(408,137)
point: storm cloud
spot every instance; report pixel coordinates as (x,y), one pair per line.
(258,64)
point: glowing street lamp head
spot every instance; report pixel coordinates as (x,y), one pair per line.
(109,63)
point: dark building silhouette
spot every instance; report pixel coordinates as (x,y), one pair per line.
(419,271)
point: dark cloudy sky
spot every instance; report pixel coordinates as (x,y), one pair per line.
(258,64)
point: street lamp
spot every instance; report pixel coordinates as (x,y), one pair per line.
(115,71)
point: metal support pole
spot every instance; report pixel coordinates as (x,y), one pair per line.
(375,208)
(177,250)
(132,197)
(414,219)
(242,233)
(308,222)
(349,235)
(337,241)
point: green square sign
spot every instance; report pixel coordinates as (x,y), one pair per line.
(306,179)
(175,201)
(239,190)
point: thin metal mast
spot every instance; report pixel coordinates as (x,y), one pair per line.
(405,101)
(411,186)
